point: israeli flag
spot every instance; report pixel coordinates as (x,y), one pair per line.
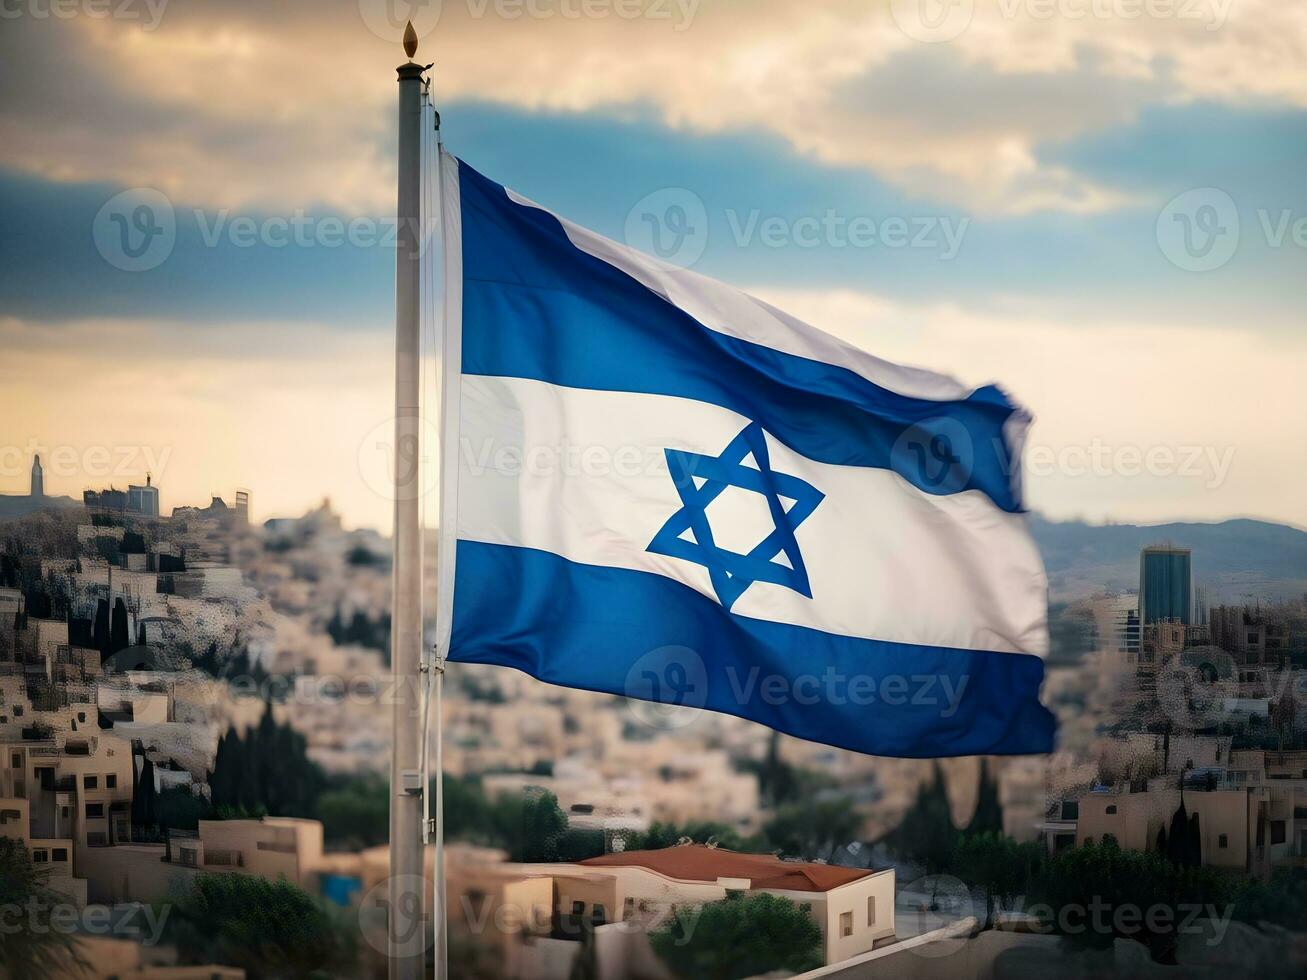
(666,489)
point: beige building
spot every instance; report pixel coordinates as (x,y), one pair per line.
(64,798)
(273,848)
(854,908)
(1252,814)
(503,904)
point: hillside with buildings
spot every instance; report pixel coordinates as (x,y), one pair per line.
(193,694)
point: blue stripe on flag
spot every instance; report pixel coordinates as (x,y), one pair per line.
(535,306)
(891,699)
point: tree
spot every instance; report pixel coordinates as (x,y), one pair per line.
(224,783)
(999,865)
(180,809)
(1282,900)
(269,929)
(660,835)
(144,814)
(926,834)
(1108,878)
(357,811)
(988,817)
(779,782)
(31,945)
(533,826)
(268,770)
(813,829)
(118,632)
(1182,844)
(741,936)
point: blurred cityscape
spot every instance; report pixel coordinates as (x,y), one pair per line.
(192,702)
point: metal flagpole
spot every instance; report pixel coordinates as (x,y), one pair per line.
(433,827)
(437,677)
(405,920)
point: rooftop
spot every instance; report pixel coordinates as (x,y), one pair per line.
(698,862)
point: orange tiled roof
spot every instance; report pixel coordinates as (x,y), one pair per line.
(697,862)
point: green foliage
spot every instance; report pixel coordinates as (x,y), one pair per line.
(361,631)
(268,770)
(998,864)
(145,812)
(180,809)
(531,827)
(360,557)
(742,936)
(1282,900)
(988,816)
(29,946)
(662,835)
(355,812)
(1106,876)
(813,828)
(779,782)
(926,835)
(467,811)
(270,929)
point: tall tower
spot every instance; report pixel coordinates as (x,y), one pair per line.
(1165,585)
(38,478)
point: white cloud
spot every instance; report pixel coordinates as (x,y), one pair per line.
(1111,388)
(289,410)
(291,104)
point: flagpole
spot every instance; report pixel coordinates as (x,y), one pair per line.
(405,920)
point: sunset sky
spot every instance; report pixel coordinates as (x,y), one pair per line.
(1053,146)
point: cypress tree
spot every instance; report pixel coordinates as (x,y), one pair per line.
(988,817)
(118,634)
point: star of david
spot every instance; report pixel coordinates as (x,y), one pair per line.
(701,479)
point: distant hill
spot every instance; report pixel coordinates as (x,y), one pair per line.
(22,505)
(1235,560)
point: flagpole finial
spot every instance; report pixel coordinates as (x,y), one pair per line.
(410,40)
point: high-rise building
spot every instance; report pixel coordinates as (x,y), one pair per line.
(38,478)
(1165,585)
(143,500)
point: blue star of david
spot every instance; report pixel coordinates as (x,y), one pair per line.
(700,479)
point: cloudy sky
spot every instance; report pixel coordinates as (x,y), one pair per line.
(1098,203)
